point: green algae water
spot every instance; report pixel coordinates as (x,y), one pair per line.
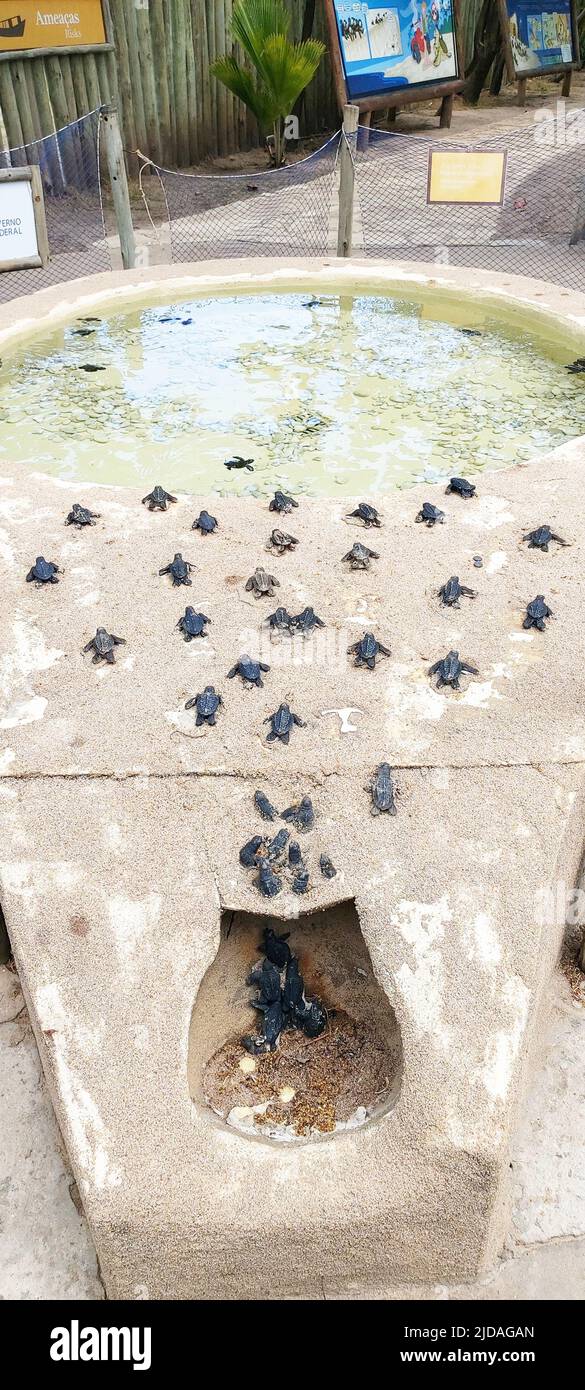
(327,394)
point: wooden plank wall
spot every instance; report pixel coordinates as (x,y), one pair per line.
(170,107)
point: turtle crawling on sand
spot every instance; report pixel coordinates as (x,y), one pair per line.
(205,523)
(207,703)
(541,537)
(280,541)
(103,646)
(366,651)
(179,569)
(537,611)
(359,556)
(462,486)
(301,814)
(281,620)
(430,514)
(366,513)
(81,516)
(307,620)
(449,669)
(281,502)
(261,584)
(43,572)
(264,806)
(192,624)
(282,722)
(158,500)
(249,670)
(452,591)
(381,789)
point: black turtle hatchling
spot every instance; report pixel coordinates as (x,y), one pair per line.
(281,620)
(250,852)
(301,815)
(381,789)
(452,591)
(43,572)
(281,541)
(179,569)
(282,503)
(239,462)
(264,806)
(536,613)
(275,947)
(266,977)
(367,514)
(359,556)
(249,670)
(366,651)
(81,516)
(268,882)
(205,523)
(307,620)
(449,669)
(207,704)
(103,646)
(192,624)
(462,486)
(282,723)
(300,881)
(430,514)
(327,868)
(541,537)
(262,584)
(158,500)
(275,849)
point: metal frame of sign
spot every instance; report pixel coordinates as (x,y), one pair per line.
(69,50)
(521,78)
(30,174)
(394,98)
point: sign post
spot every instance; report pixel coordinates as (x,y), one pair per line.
(23,229)
(386,56)
(539,40)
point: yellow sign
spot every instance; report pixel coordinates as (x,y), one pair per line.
(26,24)
(466,176)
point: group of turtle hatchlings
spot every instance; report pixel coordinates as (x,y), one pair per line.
(264,854)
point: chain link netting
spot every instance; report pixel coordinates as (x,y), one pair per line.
(529,234)
(69,164)
(279,212)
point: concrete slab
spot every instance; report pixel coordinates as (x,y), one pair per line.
(120,828)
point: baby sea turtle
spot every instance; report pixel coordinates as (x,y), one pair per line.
(205,523)
(262,584)
(103,646)
(275,947)
(307,620)
(293,986)
(295,855)
(264,806)
(267,882)
(449,669)
(192,624)
(249,670)
(540,538)
(301,815)
(281,541)
(327,868)
(239,462)
(311,1017)
(300,881)
(462,486)
(359,556)
(249,853)
(577,366)
(367,514)
(381,789)
(282,722)
(537,612)
(282,503)
(179,570)
(158,500)
(91,367)
(366,651)
(452,591)
(43,572)
(81,516)
(276,848)
(430,514)
(281,620)
(266,977)
(207,704)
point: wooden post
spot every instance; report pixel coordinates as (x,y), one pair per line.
(446,111)
(346,181)
(522,91)
(566,87)
(119,184)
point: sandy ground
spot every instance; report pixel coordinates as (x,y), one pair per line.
(46,1250)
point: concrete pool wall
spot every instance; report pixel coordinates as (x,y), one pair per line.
(120,833)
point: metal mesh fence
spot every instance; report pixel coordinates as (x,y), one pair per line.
(69,163)
(279,212)
(529,234)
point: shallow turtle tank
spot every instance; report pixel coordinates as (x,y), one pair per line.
(319,394)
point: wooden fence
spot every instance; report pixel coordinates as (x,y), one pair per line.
(170,107)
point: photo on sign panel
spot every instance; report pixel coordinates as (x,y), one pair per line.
(385,47)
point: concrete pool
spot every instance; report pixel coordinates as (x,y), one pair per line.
(121,831)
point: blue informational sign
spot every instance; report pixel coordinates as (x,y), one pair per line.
(388,46)
(541,35)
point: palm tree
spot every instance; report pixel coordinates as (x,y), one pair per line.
(278,70)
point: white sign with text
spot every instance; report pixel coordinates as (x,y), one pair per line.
(18,231)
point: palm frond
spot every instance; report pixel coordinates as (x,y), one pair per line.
(288,68)
(241,82)
(254,21)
